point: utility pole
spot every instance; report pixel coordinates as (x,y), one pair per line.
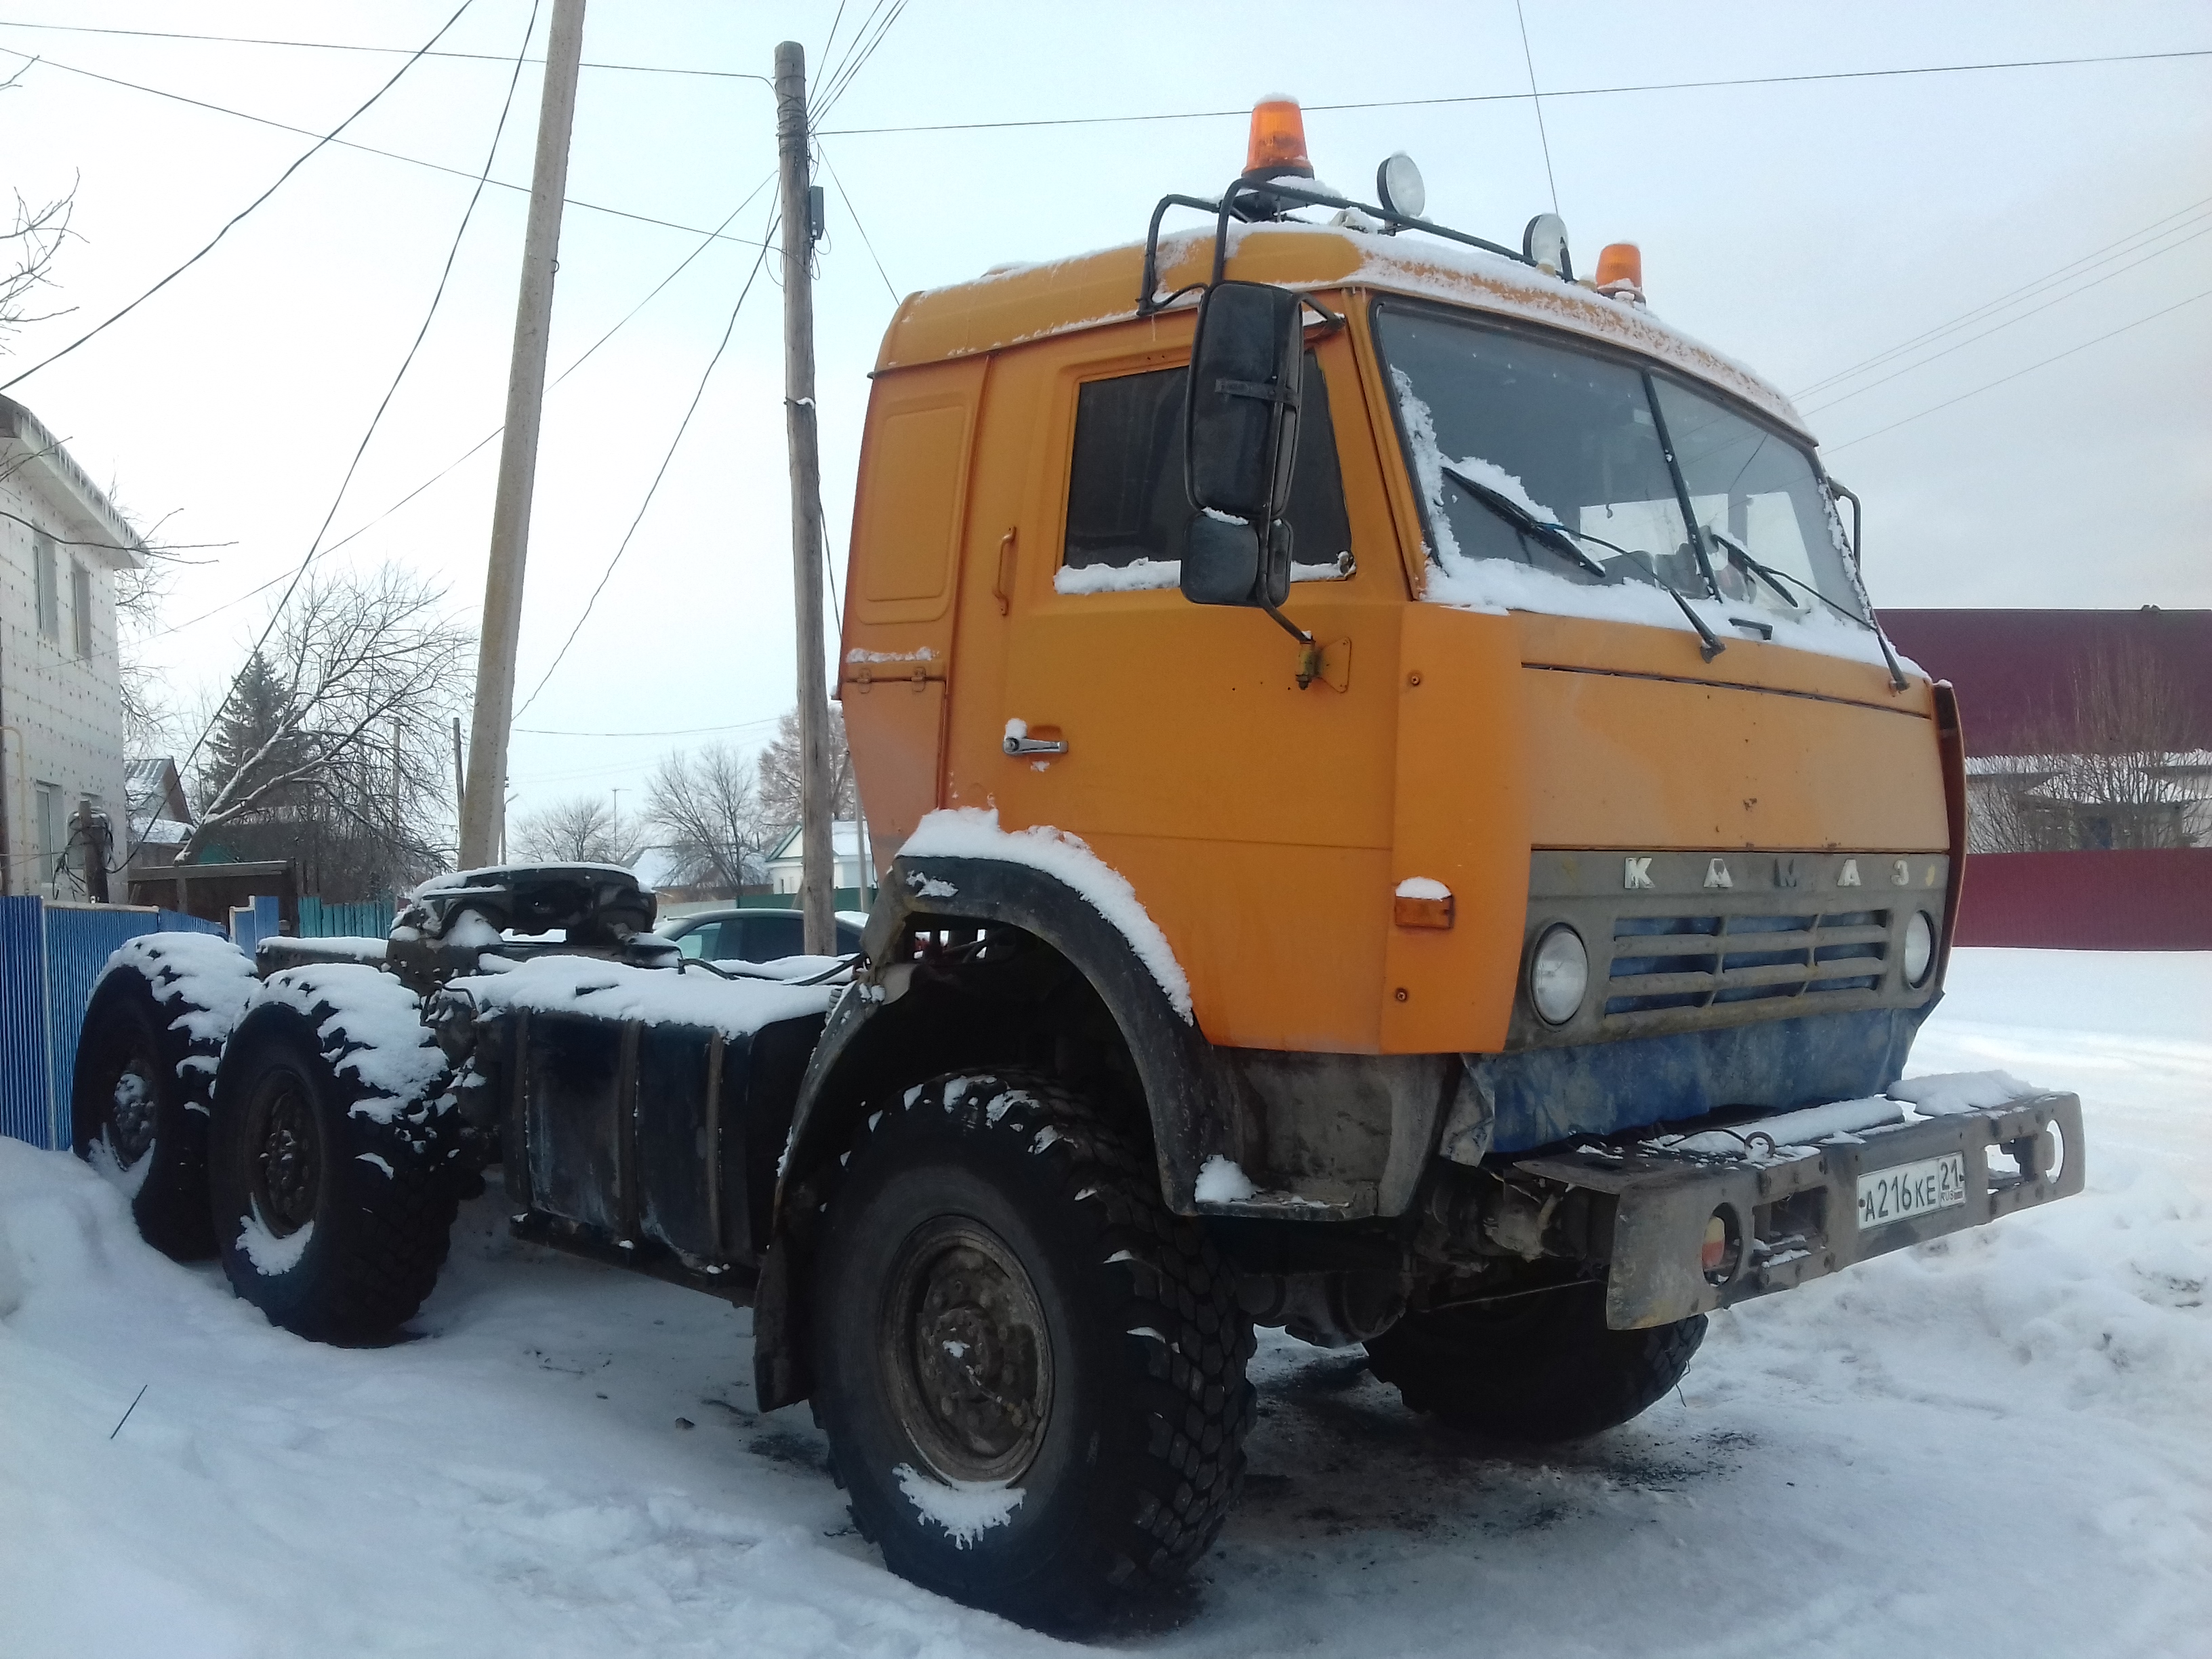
(817,866)
(484,794)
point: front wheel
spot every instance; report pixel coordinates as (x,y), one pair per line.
(1538,1368)
(1031,1374)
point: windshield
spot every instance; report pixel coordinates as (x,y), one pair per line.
(1759,491)
(1505,432)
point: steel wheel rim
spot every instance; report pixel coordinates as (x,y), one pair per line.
(284,1143)
(133,1104)
(967,1351)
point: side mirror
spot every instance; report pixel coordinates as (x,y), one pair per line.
(1240,437)
(1224,563)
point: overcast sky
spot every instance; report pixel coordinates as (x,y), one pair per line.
(1804,228)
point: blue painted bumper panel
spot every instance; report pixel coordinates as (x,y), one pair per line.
(1547,1095)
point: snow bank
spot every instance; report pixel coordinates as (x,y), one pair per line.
(211,978)
(973,832)
(1422,887)
(613,990)
(388,1047)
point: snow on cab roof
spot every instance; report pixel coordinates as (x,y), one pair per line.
(1013,304)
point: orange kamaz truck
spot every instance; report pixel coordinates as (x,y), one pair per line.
(1404,827)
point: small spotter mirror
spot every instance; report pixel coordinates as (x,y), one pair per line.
(1543,245)
(1399,187)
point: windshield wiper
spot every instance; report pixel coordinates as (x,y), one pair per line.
(1556,537)
(1738,554)
(1741,557)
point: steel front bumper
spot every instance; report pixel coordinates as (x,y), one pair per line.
(1794,1212)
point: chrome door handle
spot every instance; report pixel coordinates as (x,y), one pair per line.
(1035,746)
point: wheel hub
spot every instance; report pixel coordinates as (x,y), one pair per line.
(969,1352)
(286,1153)
(131,1113)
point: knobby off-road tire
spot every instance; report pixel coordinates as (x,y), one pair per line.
(1031,1374)
(333,1201)
(145,1057)
(1536,1369)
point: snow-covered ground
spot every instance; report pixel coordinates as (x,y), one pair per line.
(2000,1444)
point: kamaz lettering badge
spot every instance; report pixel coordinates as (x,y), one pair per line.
(1850,875)
(1635,872)
(1716,874)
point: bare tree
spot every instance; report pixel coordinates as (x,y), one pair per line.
(2099,770)
(582,829)
(709,807)
(31,245)
(779,772)
(28,248)
(340,723)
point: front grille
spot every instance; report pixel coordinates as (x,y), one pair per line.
(1697,961)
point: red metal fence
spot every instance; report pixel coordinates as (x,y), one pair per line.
(2118,901)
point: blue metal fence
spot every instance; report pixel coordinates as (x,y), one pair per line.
(51,956)
(365,919)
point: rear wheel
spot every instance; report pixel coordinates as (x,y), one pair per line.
(1538,1368)
(332,1221)
(139,1114)
(1031,1374)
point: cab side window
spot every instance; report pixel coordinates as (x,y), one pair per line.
(1126,504)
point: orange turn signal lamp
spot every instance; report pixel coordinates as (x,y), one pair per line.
(1278,145)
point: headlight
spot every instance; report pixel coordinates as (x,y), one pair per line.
(1559,974)
(1919,948)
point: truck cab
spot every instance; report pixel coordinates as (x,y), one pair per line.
(1606,780)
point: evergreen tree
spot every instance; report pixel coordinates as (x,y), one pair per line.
(257,709)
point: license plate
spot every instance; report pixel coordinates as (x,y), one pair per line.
(1912,1189)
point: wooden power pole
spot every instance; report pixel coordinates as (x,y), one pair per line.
(484,798)
(816,805)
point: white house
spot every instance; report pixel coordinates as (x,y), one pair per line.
(846,845)
(61,692)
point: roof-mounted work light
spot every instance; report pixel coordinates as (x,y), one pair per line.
(1398,186)
(1278,145)
(1543,245)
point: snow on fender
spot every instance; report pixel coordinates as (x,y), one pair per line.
(973,832)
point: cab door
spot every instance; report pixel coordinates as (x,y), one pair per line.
(1252,815)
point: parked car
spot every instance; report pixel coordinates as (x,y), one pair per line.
(753,935)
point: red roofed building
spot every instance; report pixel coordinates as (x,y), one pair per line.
(2088,771)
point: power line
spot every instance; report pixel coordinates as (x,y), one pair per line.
(444,275)
(2089,261)
(858,61)
(347,45)
(710,238)
(2123,328)
(866,240)
(1995,328)
(349,144)
(236,217)
(1514,97)
(699,392)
